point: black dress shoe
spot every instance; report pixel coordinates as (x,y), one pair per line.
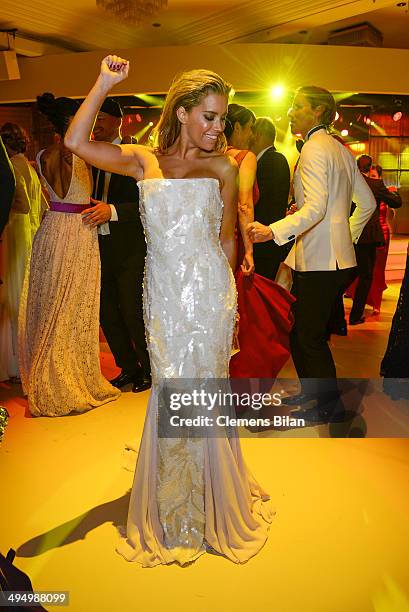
(319,416)
(357,321)
(141,384)
(297,400)
(311,415)
(341,330)
(124,378)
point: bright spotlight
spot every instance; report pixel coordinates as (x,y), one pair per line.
(397,116)
(150,123)
(277,92)
(344,132)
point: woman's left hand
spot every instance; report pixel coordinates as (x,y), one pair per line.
(247,266)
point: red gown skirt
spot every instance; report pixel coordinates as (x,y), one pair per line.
(378,284)
(265,323)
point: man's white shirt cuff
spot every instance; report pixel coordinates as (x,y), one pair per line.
(114,214)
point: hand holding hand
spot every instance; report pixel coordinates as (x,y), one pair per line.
(292,209)
(114,69)
(258,232)
(98,214)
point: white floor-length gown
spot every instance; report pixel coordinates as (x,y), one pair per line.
(189,494)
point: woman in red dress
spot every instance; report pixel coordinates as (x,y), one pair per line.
(378,282)
(263,305)
(378,285)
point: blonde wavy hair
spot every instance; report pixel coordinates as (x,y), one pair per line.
(188,90)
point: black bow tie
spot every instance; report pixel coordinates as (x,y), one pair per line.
(299,144)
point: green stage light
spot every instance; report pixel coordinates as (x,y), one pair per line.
(143,131)
(153,101)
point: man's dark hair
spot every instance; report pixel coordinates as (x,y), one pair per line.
(317,96)
(364,163)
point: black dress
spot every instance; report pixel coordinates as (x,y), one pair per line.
(395,363)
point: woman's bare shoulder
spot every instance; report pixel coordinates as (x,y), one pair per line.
(50,151)
(250,159)
(225,164)
(50,157)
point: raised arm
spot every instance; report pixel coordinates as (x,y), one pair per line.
(247,177)
(131,160)
(229,192)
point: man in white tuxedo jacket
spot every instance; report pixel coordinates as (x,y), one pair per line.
(326,182)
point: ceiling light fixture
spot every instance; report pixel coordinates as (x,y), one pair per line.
(132,12)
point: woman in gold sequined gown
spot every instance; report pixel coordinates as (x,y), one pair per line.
(190,495)
(59,308)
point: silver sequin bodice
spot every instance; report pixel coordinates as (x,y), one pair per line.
(189,291)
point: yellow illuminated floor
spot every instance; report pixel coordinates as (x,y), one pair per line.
(339,542)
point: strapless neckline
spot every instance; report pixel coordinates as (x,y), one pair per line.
(202,178)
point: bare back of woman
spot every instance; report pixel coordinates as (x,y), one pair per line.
(59,310)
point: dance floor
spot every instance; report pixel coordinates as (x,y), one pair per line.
(339,541)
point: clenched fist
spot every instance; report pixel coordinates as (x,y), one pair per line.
(114,69)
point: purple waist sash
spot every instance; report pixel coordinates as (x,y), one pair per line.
(67,207)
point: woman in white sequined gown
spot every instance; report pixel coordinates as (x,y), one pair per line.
(59,308)
(189,494)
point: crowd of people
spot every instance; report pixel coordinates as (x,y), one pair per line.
(161,246)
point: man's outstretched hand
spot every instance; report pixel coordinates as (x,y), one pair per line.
(258,232)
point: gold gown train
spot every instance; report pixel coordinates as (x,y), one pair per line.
(59,311)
